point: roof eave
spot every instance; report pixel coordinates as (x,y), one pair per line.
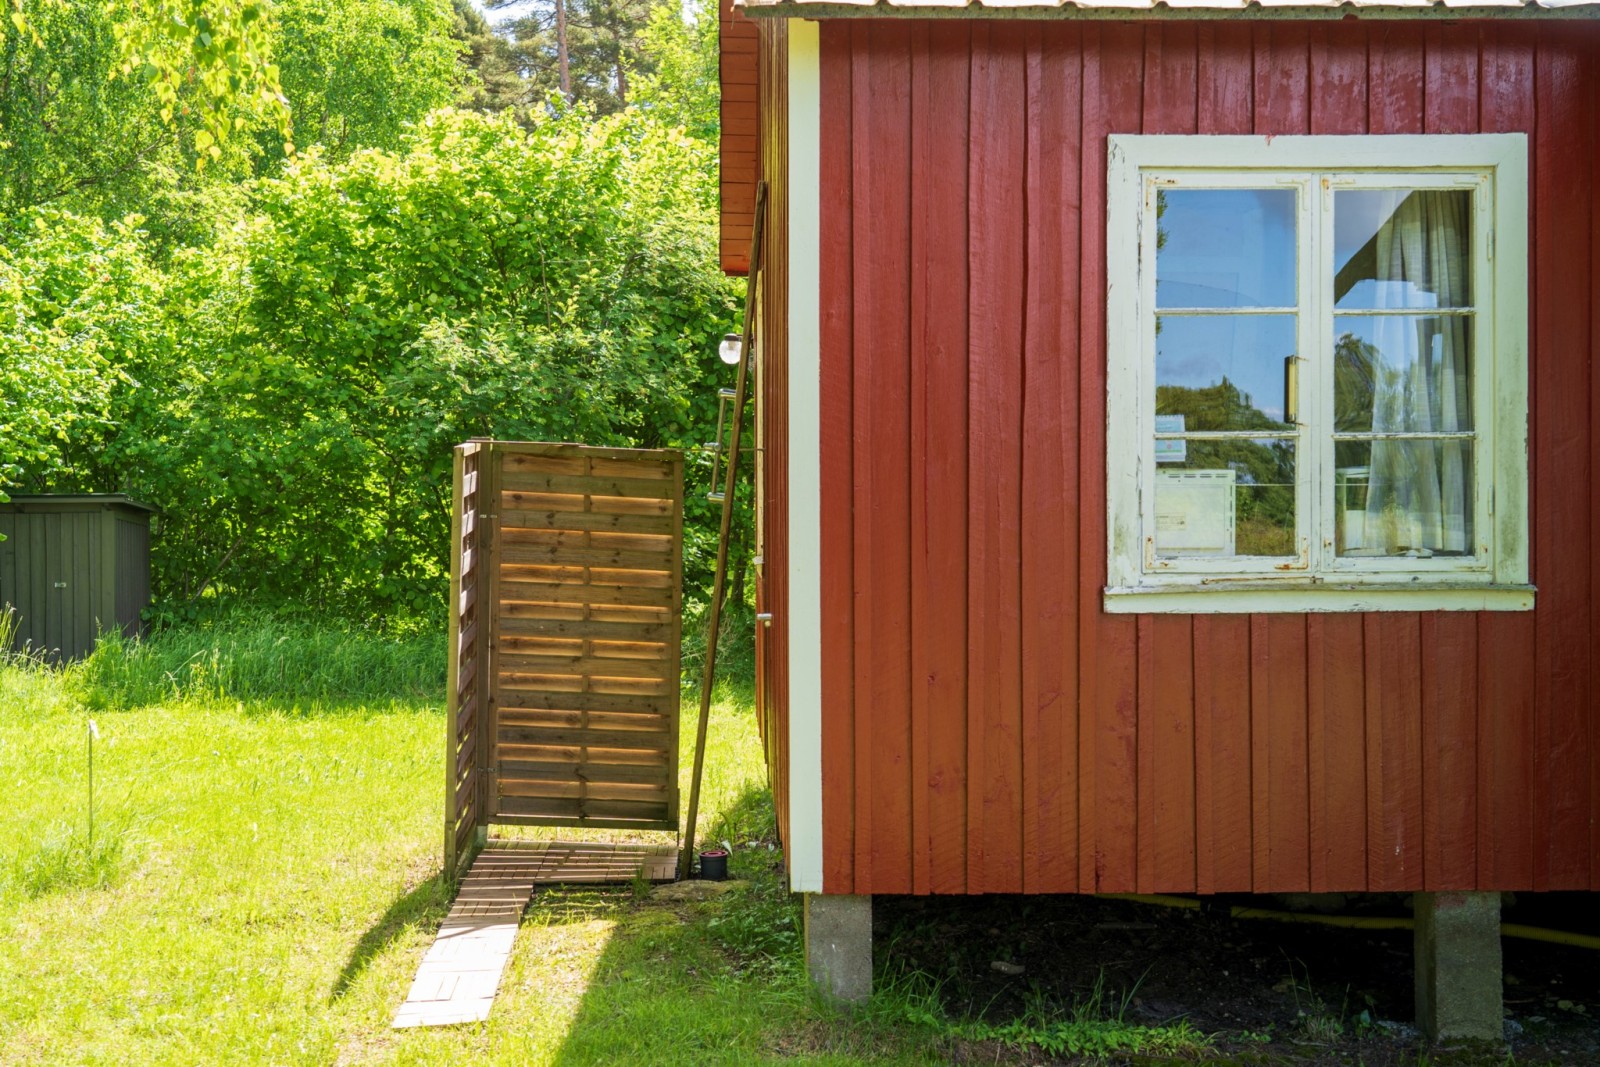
(1161,11)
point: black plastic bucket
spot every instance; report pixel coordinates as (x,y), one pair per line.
(714,865)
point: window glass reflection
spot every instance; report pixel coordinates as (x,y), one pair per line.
(1225,498)
(1402,373)
(1409,498)
(1225,248)
(1226,372)
(1402,248)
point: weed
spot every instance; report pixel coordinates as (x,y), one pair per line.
(260,658)
(1315,1019)
(761,926)
(1092,1028)
(911,999)
(66,859)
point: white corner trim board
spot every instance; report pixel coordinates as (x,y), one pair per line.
(804,846)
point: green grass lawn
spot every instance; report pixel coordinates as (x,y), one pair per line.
(263,880)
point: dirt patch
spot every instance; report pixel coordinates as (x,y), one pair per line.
(1265,992)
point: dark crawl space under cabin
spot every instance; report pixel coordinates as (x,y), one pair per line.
(1178,468)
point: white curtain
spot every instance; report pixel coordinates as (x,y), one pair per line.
(1419,494)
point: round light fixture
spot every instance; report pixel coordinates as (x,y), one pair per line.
(732,348)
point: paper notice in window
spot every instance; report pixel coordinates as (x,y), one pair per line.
(1168,451)
(1195,513)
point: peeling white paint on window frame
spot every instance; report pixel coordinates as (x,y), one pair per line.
(1494,579)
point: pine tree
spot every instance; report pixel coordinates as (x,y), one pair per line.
(585,50)
(494,79)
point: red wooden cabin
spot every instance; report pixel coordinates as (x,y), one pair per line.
(1181,442)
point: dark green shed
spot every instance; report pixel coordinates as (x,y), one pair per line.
(72,566)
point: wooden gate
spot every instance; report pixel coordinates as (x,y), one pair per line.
(566,586)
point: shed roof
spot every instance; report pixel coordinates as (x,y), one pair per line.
(71,501)
(1184,9)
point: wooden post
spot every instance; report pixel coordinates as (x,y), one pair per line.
(714,616)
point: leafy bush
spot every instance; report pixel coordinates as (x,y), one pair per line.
(558,284)
(81,322)
(288,396)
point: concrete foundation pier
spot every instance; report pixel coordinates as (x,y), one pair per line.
(1458,979)
(839,946)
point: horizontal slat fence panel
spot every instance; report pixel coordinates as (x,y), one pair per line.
(566,579)
(567,811)
(587,603)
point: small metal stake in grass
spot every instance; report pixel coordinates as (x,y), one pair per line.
(94,734)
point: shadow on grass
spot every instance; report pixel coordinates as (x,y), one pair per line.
(705,980)
(425,905)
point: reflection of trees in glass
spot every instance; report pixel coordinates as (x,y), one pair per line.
(1356,366)
(1223,406)
(1264,516)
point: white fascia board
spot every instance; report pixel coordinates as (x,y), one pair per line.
(1408,152)
(804,847)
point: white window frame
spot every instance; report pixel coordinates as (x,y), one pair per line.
(1495,577)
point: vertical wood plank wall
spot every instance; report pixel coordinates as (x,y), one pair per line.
(738,151)
(986,727)
(772,574)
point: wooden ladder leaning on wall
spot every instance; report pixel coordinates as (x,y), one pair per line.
(730,473)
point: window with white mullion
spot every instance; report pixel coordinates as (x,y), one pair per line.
(1401,337)
(1326,493)
(1321,372)
(1228,473)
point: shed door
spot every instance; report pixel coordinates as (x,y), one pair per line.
(586,563)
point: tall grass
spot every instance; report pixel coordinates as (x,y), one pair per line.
(1092,1029)
(64,857)
(260,658)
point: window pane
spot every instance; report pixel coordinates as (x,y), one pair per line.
(1402,373)
(1225,372)
(1225,498)
(1225,248)
(1398,248)
(1403,498)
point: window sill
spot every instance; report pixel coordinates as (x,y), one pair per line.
(1250,597)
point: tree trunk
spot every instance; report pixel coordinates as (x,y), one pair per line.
(622,72)
(561,49)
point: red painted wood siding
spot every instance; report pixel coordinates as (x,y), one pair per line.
(986,726)
(737,61)
(772,461)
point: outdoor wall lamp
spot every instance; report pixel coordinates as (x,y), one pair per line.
(732,349)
